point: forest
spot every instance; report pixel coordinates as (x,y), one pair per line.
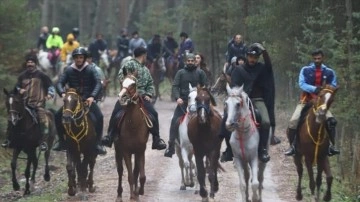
(289,30)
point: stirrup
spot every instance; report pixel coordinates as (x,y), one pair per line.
(169,151)
(159,144)
(291,151)
(43,146)
(6,144)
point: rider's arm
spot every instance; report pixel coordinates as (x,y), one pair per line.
(49,41)
(176,85)
(149,87)
(97,81)
(302,81)
(333,79)
(203,79)
(60,42)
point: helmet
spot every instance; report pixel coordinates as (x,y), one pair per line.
(55,30)
(80,51)
(70,37)
(75,30)
(31,57)
(184,34)
(254,50)
(233,59)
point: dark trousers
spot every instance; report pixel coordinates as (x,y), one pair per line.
(95,115)
(148,107)
(224,133)
(180,110)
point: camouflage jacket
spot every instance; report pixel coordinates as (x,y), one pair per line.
(145,85)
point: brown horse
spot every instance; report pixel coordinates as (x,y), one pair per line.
(155,71)
(313,143)
(133,135)
(26,136)
(220,84)
(80,140)
(172,66)
(203,132)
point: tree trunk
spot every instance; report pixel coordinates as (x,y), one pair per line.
(246,14)
(54,12)
(123,13)
(45,12)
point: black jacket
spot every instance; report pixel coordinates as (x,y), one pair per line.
(87,81)
(236,50)
(123,46)
(180,87)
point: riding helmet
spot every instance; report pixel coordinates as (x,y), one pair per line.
(80,51)
(55,30)
(253,50)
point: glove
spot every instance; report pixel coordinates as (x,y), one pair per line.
(317,90)
(261,47)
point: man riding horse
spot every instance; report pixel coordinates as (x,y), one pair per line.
(258,81)
(190,74)
(145,88)
(36,87)
(85,79)
(311,78)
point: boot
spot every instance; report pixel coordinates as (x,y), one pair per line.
(170,150)
(60,145)
(331,130)
(44,128)
(6,143)
(158,143)
(292,137)
(99,148)
(263,153)
(108,139)
(227,155)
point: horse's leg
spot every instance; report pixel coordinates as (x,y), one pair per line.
(181,165)
(320,169)
(211,175)
(15,155)
(120,170)
(214,156)
(47,170)
(136,173)
(262,167)
(29,161)
(35,162)
(127,158)
(82,171)
(299,169)
(246,170)
(240,169)
(201,175)
(308,163)
(185,157)
(191,168)
(254,182)
(142,173)
(329,179)
(90,181)
(70,168)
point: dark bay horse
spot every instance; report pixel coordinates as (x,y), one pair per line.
(80,140)
(26,136)
(155,71)
(313,143)
(172,66)
(203,131)
(132,138)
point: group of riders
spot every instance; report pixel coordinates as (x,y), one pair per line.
(243,68)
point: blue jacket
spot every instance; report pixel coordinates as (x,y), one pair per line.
(307,77)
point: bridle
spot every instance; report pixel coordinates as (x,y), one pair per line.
(79,111)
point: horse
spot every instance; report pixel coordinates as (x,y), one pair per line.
(104,62)
(80,139)
(203,131)
(220,84)
(244,142)
(313,143)
(133,134)
(184,148)
(155,68)
(45,64)
(115,63)
(26,136)
(172,66)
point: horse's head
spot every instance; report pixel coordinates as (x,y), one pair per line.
(73,108)
(105,58)
(235,106)
(220,85)
(204,100)
(15,106)
(324,101)
(192,99)
(128,93)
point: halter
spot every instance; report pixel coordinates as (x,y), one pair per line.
(318,104)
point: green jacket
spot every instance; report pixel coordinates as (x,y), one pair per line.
(145,84)
(54,41)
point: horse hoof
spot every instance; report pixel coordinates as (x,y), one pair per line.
(205,199)
(47,177)
(196,192)
(71,191)
(212,195)
(327,197)
(299,197)
(192,184)
(141,191)
(92,189)
(182,187)
(27,192)
(16,187)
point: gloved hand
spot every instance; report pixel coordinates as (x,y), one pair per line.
(261,47)
(317,90)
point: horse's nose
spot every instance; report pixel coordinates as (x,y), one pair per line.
(66,119)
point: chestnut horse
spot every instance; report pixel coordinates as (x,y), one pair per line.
(26,136)
(313,143)
(80,140)
(132,138)
(203,131)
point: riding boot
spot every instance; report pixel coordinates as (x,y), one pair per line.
(44,128)
(109,139)
(99,128)
(158,143)
(292,137)
(60,145)
(263,153)
(331,130)
(227,155)
(173,133)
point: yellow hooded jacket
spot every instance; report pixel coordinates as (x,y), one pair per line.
(68,46)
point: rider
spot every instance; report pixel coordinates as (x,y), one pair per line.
(37,88)
(258,81)
(190,74)
(186,46)
(100,72)
(145,88)
(311,78)
(201,64)
(123,44)
(68,47)
(54,43)
(136,42)
(41,44)
(84,78)
(97,46)
(75,31)
(170,45)
(154,50)
(236,48)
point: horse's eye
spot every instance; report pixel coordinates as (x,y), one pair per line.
(238,105)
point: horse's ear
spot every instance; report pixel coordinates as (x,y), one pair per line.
(6,92)
(190,87)
(124,71)
(212,99)
(242,88)
(228,89)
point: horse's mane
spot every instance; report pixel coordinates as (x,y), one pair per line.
(303,113)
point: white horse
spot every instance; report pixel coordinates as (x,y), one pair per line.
(244,142)
(184,148)
(44,62)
